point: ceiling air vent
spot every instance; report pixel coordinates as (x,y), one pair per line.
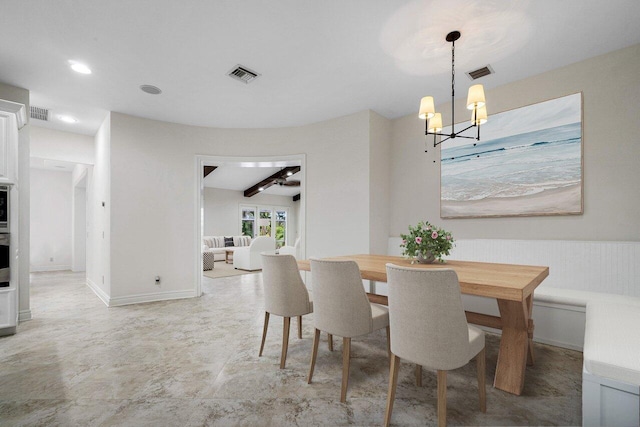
(480,72)
(151,89)
(243,74)
(39,113)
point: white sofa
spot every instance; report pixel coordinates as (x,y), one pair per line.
(213,248)
(248,257)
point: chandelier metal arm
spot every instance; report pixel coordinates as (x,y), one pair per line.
(452,135)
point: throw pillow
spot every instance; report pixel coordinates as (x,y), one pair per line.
(228,241)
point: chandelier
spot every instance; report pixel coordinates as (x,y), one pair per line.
(475,103)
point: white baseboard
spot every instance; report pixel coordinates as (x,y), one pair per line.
(24,315)
(138,299)
(156,296)
(40,268)
(99,292)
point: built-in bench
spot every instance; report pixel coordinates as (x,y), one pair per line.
(611,370)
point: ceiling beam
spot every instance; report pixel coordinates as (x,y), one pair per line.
(208,170)
(268,182)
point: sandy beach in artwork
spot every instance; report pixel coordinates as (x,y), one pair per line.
(558,201)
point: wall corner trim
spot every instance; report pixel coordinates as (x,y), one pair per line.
(99,292)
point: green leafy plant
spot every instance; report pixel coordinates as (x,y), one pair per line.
(426,239)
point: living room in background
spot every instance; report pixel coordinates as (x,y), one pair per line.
(232,192)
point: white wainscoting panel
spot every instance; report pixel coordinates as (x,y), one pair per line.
(607,267)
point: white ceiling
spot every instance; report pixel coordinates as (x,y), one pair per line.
(239,178)
(318,59)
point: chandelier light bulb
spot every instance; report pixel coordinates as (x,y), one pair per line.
(435,123)
(427,108)
(480,116)
(475,98)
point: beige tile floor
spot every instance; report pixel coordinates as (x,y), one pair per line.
(194,362)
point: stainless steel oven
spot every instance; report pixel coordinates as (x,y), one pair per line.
(4,208)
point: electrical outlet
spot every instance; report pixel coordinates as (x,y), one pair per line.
(158,280)
(51,259)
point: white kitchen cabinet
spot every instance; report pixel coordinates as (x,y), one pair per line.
(12,118)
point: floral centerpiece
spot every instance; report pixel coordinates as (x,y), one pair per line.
(426,243)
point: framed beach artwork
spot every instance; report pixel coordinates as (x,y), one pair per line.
(528,162)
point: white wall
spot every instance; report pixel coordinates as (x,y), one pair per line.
(50,220)
(153,179)
(611,95)
(379,178)
(80,181)
(79,236)
(99,215)
(222,211)
(58,145)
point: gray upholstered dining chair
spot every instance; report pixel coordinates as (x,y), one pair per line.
(343,309)
(284,295)
(429,328)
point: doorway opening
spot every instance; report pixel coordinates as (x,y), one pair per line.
(242,199)
(59,217)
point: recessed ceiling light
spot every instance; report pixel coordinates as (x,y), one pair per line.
(289,173)
(60,167)
(261,189)
(67,119)
(80,68)
(151,90)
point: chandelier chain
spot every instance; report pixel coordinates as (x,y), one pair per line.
(453,69)
(453,86)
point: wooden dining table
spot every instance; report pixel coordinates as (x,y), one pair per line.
(511,285)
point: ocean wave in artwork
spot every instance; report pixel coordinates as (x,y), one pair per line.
(514,166)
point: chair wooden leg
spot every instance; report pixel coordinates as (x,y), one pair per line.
(264,332)
(299,327)
(389,342)
(285,341)
(419,375)
(314,354)
(481,368)
(346,356)
(330,338)
(442,398)
(393,383)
